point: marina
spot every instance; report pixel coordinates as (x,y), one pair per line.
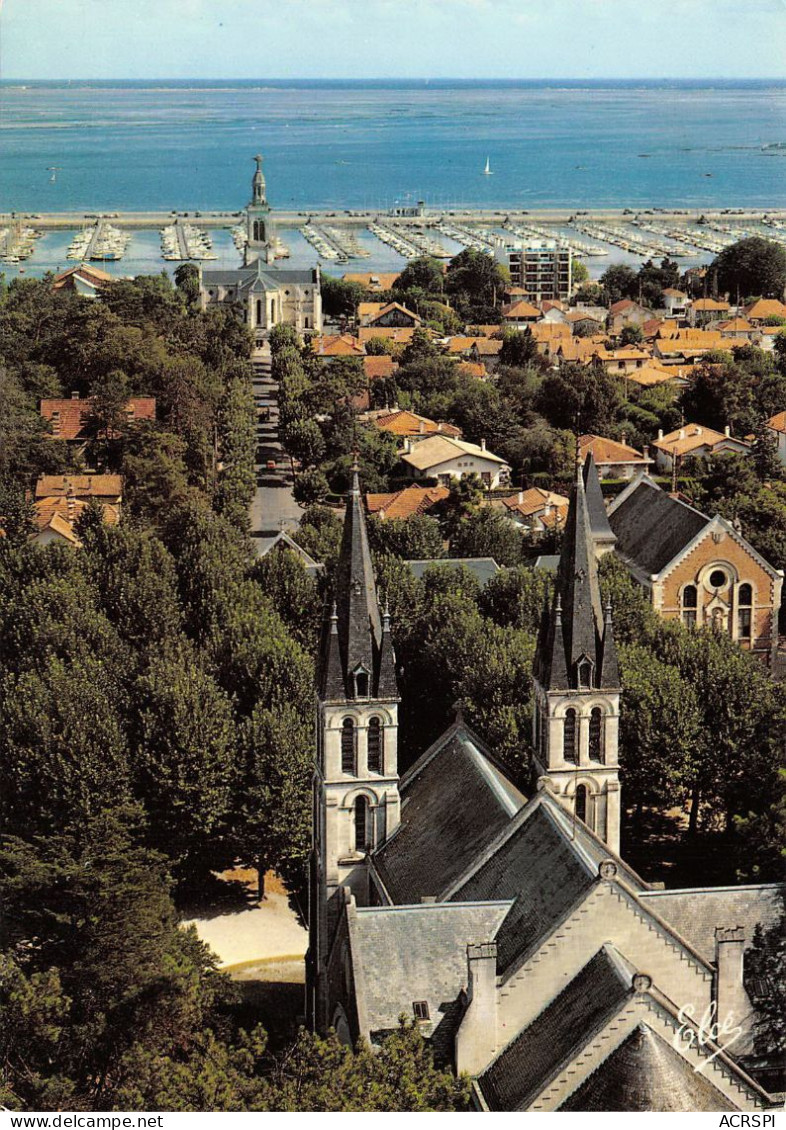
(17,242)
(145,242)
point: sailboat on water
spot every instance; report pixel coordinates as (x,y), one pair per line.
(487,172)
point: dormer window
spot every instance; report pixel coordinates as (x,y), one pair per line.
(360,677)
(420,1010)
(584,673)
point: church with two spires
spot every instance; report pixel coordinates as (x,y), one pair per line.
(503,920)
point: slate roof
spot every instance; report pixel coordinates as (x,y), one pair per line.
(596,507)
(651,527)
(482,568)
(695,913)
(576,626)
(422,951)
(440,833)
(522,1069)
(263,545)
(273,277)
(645,1072)
(540,869)
(355,635)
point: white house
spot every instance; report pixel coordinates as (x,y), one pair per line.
(696,441)
(445,458)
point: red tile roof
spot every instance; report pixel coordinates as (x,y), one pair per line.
(402,423)
(405,503)
(605,451)
(379,365)
(69,417)
(79,486)
(337,345)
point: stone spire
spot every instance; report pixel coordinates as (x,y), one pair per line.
(357,652)
(602,533)
(258,188)
(577,634)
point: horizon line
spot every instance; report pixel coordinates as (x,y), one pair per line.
(400,78)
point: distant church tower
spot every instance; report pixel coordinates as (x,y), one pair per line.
(576,674)
(259,228)
(356,798)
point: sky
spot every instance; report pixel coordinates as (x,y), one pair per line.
(527,39)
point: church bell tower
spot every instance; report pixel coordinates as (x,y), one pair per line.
(576,674)
(259,229)
(356,799)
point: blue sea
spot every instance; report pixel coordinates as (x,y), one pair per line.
(188,145)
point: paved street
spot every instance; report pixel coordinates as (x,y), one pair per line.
(273,507)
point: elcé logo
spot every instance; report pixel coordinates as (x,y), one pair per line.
(709,1031)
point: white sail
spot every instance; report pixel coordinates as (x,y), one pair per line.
(487,171)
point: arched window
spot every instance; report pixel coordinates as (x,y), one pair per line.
(744,611)
(361,684)
(347,746)
(259,312)
(375,745)
(581,803)
(689,606)
(569,735)
(361,824)
(596,734)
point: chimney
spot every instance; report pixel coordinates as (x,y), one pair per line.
(422,427)
(682,433)
(624,437)
(75,396)
(732,1002)
(483,445)
(407,446)
(70,503)
(646,452)
(476,1038)
(521,497)
(660,433)
(439,426)
(727,430)
(697,431)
